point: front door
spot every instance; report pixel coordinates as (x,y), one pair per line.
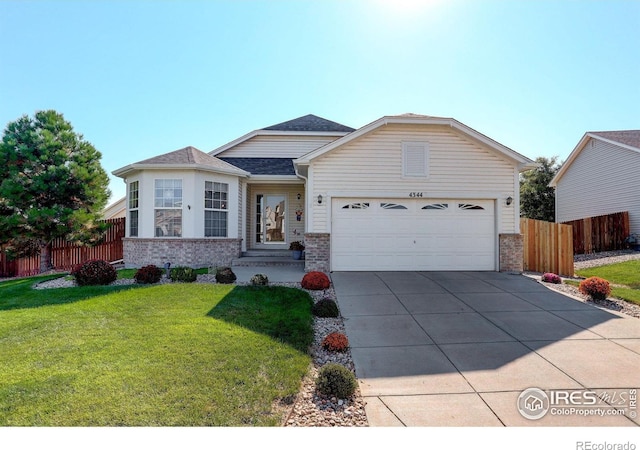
(270,219)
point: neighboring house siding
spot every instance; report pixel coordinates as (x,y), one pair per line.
(603,179)
(456,167)
(277,146)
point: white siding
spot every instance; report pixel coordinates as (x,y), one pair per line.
(277,146)
(603,179)
(193,183)
(457,168)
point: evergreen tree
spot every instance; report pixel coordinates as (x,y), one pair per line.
(537,198)
(52,184)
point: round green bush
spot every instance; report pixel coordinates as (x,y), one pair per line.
(259,279)
(325,308)
(94,272)
(148,274)
(183,275)
(225,275)
(336,380)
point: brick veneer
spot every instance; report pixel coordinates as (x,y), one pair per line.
(317,252)
(195,253)
(511,253)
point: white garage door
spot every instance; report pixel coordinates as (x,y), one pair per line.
(412,234)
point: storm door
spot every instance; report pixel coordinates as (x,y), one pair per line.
(270,219)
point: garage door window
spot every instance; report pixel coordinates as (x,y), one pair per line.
(437,206)
(392,206)
(356,206)
(469,206)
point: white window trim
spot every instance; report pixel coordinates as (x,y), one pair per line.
(168,208)
(225,210)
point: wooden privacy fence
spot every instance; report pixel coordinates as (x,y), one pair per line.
(548,247)
(600,233)
(65,255)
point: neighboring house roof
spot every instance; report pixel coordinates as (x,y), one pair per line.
(263,166)
(115,209)
(523,162)
(629,139)
(308,125)
(184,158)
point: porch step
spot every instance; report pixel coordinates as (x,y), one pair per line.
(248,261)
(266,253)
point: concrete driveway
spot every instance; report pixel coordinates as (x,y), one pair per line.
(459,349)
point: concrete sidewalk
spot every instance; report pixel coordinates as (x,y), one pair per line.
(459,348)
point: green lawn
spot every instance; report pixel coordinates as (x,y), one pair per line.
(626,275)
(164,355)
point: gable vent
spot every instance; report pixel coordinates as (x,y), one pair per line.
(414,159)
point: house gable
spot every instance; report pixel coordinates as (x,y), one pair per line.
(600,177)
(523,162)
(290,139)
(373,164)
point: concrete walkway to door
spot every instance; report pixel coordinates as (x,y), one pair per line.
(458,348)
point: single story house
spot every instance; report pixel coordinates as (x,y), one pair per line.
(405,192)
(600,176)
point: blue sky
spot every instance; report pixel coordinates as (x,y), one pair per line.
(141,78)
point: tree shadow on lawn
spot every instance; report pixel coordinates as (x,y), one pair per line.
(20,294)
(283,313)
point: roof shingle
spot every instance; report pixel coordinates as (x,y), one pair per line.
(626,137)
(263,166)
(186,156)
(310,123)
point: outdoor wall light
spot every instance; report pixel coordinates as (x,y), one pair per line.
(509,201)
(299,196)
(320,199)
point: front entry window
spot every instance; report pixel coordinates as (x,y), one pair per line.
(271,219)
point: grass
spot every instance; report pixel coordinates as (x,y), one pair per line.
(625,276)
(163,355)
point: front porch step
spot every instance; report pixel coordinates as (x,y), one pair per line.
(266,253)
(250,261)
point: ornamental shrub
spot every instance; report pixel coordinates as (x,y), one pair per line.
(94,272)
(325,308)
(225,275)
(259,279)
(595,287)
(315,281)
(148,274)
(335,342)
(336,380)
(551,278)
(182,274)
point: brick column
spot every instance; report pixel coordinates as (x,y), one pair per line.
(317,252)
(511,253)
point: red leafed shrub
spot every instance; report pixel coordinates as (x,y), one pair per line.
(315,281)
(551,278)
(335,342)
(148,274)
(94,272)
(595,287)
